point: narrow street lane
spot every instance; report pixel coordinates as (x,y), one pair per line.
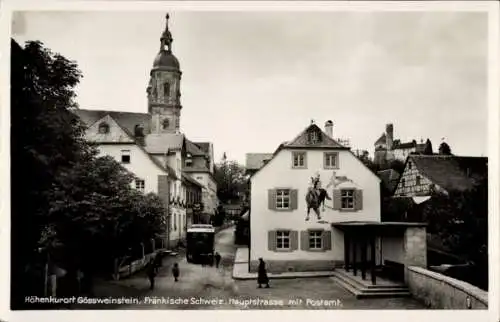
(209,288)
(196,282)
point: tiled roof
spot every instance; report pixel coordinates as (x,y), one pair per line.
(196,169)
(389,178)
(194,149)
(191,180)
(452,172)
(301,141)
(204,146)
(161,143)
(381,140)
(406,145)
(126,120)
(256,160)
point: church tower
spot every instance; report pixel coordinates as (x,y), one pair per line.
(164,88)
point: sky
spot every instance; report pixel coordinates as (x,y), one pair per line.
(252,80)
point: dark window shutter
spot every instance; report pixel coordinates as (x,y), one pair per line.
(337,199)
(271,199)
(358,199)
(271,240)
(304,240)
(293,199)
(294,240)
(327,240)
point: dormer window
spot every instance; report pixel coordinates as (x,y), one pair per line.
(189,160)
(103,128)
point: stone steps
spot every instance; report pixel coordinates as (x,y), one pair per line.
(362,289)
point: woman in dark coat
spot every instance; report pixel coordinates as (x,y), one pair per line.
(262,274)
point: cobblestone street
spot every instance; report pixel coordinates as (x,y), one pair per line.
(205,287)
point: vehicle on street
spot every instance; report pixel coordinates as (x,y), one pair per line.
(200,241)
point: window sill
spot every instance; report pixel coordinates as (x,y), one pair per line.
(318,250)
(300,168)
(331,168)
(348,210)
(283,210)
(289,250)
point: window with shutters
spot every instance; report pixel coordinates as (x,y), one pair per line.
(315,239)
(299,159)
(283,199)
(331,160)
(347,199)
(282,239)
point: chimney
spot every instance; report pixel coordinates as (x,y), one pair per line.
(389,136)
(329,128)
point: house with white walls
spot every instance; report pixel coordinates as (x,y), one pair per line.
(341,232)
(152,146)
(282,231)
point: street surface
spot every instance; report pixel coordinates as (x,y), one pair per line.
(205,287)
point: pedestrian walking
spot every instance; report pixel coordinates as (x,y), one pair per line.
(175,272)
(217,259)
(262,274)
(151,272)
(158,261)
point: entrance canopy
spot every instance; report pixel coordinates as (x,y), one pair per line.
(376,227)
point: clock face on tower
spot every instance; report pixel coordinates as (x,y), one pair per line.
(165,123)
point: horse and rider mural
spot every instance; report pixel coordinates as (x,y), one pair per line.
(316,194)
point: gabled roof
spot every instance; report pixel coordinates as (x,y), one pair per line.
(301,142)
(255,161)
(194,149)
(162,142)
(390,178)
(381,140)
(452,173)
(204,146)
(126,120)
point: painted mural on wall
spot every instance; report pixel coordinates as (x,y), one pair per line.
(316,195)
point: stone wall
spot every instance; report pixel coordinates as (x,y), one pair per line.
(415,248)
(442,292)
(282,266)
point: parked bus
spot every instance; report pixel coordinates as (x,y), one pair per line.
(200,241)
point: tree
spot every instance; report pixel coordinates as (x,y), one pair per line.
(444,149)
(67,205)
(397,166)
(364,156)
(231,180)
(428,148)
(46,138)
(460,219)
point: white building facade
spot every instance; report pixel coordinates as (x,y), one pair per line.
(280,233)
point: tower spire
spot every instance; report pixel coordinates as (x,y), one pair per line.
(166,38)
